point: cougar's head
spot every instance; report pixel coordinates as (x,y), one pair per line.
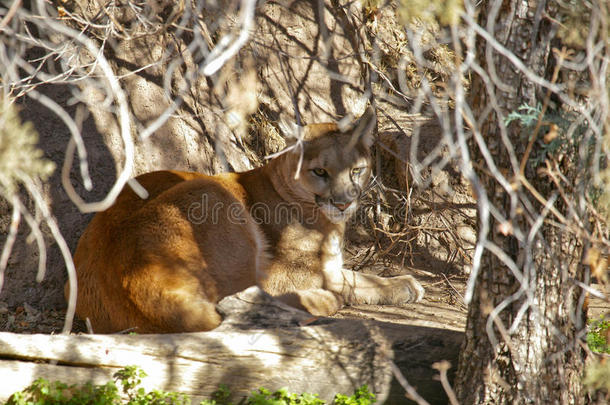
(336,166)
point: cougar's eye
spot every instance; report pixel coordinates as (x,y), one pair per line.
(318,171)
(356,171)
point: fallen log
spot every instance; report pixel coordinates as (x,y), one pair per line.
(261,342)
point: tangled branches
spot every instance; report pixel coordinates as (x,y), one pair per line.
(519,116)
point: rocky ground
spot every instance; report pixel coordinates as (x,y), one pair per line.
(422,334)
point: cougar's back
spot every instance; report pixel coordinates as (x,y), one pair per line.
(161,264)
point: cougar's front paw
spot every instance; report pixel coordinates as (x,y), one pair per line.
(317,302)
(406,289)
(320,302)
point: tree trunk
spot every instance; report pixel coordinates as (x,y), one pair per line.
(522,343)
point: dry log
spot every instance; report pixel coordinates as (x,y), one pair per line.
(261,342)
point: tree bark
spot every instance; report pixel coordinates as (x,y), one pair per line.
(539,360)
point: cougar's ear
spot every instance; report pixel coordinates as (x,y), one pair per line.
(315,131)
(291,132)
(364,127)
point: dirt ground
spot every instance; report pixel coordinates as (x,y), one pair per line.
(422,333)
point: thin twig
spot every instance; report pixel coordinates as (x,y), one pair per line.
(411,391)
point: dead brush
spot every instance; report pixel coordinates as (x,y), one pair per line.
(396,222)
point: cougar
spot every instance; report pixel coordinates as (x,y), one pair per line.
(160,264)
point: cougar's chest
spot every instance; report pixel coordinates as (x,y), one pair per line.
(297,243)
(331,256)
(309,249)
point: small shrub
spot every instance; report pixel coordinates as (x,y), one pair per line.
(281,397)
(362,396)
(597,337)
(43,392)
(219,397)
(557,134)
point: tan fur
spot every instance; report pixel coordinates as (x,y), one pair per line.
(161,264)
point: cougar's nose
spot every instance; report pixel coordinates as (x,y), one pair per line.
(340,205)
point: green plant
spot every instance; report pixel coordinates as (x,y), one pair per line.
(43,392)
(263,396)
(597,336)
(219,397)
(564,131)
(551,123)
(362,396)
(282,397)
(563,140)
(526,115)
(129,377)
